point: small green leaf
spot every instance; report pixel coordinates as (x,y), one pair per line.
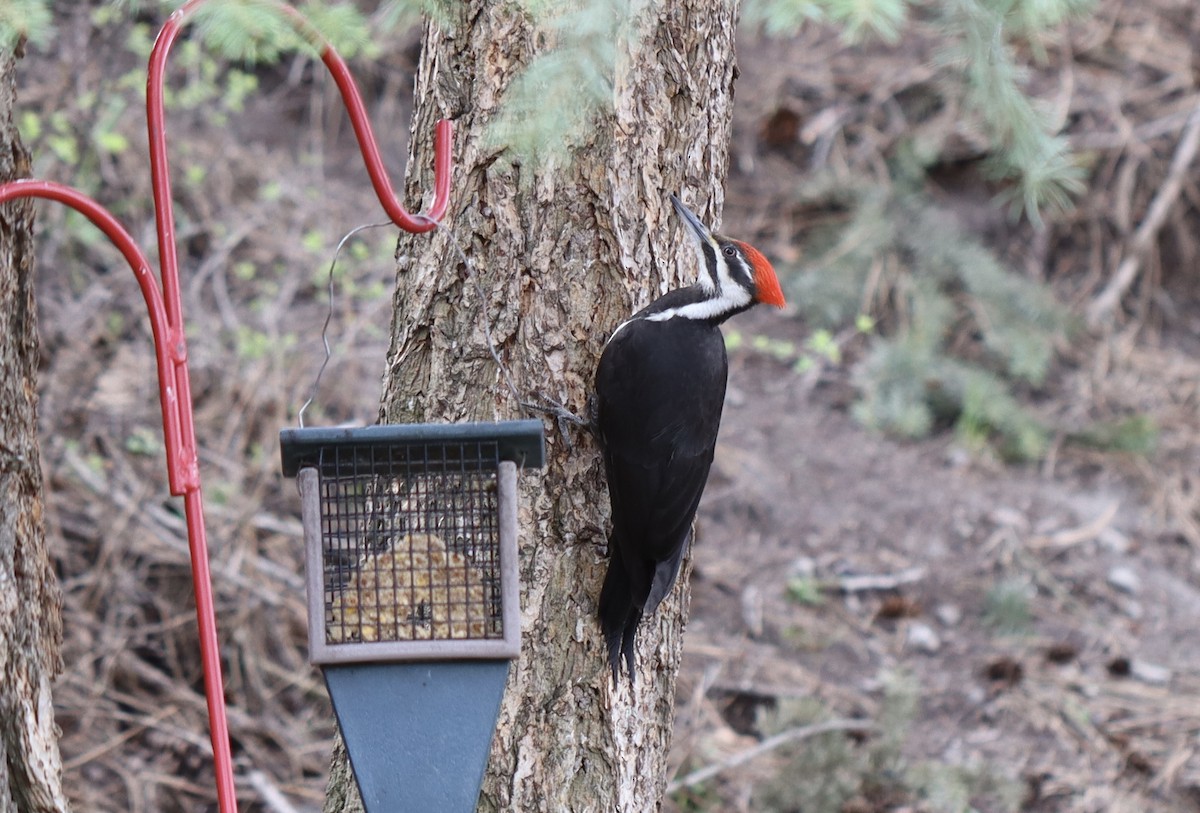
(1007,607)
(112,143)
(823,344)
(30,125)
(313,241)
(65,148)
(805,590)
(270,191)
(143,441)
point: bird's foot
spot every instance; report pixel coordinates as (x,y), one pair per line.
(564,417)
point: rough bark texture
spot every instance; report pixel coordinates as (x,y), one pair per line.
(562,255)
(30,626)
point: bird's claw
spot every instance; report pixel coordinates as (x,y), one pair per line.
(563,417)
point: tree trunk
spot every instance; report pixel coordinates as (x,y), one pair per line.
(562,256)
(30,624)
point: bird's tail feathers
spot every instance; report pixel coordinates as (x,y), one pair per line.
(619,615)
(665,574)
(628,640)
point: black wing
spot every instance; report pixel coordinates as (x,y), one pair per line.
(660,388)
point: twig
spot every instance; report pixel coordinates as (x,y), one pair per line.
(271,796)
(108,745)
(884,581)
(768,745)
(1108,299)
(1074,536)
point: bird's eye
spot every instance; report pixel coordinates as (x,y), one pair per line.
(729,251)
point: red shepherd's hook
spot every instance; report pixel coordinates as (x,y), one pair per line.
(166,321)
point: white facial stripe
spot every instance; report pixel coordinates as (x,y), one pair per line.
(725,282)
(725,272)
(735,297)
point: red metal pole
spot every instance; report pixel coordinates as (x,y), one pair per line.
(166,320)
(185,467)
(183,462)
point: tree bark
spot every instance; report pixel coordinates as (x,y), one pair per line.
(562,255)
(30,604)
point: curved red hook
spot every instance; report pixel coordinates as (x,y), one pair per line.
(182,470)
(112,228)
(160,171)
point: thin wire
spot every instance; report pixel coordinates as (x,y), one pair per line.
(558,411)
(329,316)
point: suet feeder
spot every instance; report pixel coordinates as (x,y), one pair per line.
(411,557)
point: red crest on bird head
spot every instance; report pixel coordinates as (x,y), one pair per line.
(766,283)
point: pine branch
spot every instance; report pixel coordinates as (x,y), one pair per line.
(24,18)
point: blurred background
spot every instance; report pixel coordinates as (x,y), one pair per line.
(956,490)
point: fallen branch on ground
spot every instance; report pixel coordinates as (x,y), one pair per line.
(768,745)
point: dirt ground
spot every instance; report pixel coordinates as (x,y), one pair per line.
(1088,705)
(1039,620)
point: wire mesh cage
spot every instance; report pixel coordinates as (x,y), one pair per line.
(410,534)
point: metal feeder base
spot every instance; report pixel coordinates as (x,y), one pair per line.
(411,544)
(418,734)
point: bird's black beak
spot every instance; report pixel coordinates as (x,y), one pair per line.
(699,231)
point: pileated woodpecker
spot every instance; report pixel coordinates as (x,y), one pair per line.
(660,386)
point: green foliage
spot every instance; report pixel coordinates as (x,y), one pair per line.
(1006,608)
(953,788)
(252,31)
(1029,17)
(857,18)
(820,774)
(910,388)
(398,15)
(978,47)
(1041,164)
(258,31)
(549,108)
(143,441)
(821,347)
(829,773)
(805,590)
(959,332)
(1136,434)
(24,18)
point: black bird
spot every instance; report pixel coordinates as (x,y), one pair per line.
(660,386)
